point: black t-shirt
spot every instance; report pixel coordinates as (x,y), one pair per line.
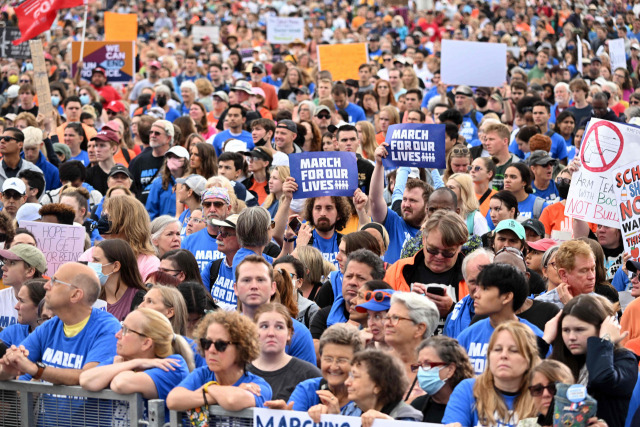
(420,273)
(33,110)
(365,170)
(432,412)
(319,321)
(537,284)
(285,379)
(97,178)
(324,296)
(144,168)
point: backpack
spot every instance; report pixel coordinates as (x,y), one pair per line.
(214,268)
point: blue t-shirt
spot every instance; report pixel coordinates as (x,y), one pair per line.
(83,157)
(222,289)
(328,247)
(242,254)
(172,114)
(558,147)
(96,342)
(184,220)
(203,375)
(475,340)
(399,232)
(301,345)
(203,246)
(526,207)
(460,317)
(356,113)
(160,201)
(550,194)
(469,130)
(221,137)
(462,407)
(16,333)
(304,396)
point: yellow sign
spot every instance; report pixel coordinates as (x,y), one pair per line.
(342,60)
(120,27)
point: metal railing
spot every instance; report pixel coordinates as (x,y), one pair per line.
(218,417)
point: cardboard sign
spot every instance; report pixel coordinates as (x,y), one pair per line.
(331,173)
(117,58)
(627,189)
(284,30)
(605,147)
(342,60)
(120,27)
(7,49)
(59,243)
(473,63)
(617,54)
(41,78)
(415,145)
(200,31)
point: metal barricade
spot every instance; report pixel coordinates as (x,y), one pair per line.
(218,417)
(25,403)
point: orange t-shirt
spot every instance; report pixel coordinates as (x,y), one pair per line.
(120,159)
(91,132)
(260,188)
(357,21)
(484,207)
(557,223)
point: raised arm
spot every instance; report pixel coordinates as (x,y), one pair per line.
(376,190)
(288,188)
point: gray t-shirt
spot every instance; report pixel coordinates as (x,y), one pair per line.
(285,379)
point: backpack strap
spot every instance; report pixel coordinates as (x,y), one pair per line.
(126,155)
(470,221)
(213,272)
(537,207)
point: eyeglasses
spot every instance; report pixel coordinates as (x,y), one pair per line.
(377,296)
(386,59)
(220,345)
(53,281)
(10,194)
(565,181)
(537,390)
(324,116)
(8,138)
(446,254)
(511,251)
(126,330)
(167,270)
(339,361)
(155,133)
(620,76)
(474,168)
(395,319)
(426,365)
(196,220)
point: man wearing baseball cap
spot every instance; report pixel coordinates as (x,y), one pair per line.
(11,164)
(541,165)
(153,76)
(218,275)
(216,205)
(14,195)
(322,118)
(270,95)
(470,116)
(509,233)
(114,108)
(106,145)
(21,263)
(188,192)
(99,83)
(259,161)
(286,133)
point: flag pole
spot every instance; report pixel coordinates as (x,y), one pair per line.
(84,31)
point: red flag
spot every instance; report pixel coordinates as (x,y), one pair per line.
(36,16)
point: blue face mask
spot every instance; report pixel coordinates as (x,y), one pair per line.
(97,267)
(430,380)
(28,66)
(55,100)
(84,99)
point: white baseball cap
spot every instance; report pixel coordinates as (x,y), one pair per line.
(15,184)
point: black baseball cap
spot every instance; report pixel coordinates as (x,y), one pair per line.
(120,169)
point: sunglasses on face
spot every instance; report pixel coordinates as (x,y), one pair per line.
(217,205)
(8,138)
(474,168)
(537,390)
(632,275)
(377,296)
(446,254)
(323,116)
(222,233)
(12,195)
(155,133)
(634,102)
(220,345)
(566,181)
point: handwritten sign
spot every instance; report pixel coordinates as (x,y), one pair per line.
(415,145)
(342,60)
(473,63)
(59,243)
(41,78)
(284,30)
(317,174)
(7,49)
(617,54)
(200,31)
(117,58)
(605,147)
(627,190)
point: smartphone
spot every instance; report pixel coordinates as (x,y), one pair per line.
(435,290)
(295,225)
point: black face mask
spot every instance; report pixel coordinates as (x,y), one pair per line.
(64,74)
(563,189)
(481,102)
(261,142)
(162,101)
(104,225)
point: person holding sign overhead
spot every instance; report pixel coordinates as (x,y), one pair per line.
(348,141)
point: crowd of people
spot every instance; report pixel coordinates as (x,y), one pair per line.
(463,296)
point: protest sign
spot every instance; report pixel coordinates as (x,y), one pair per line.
(331,173)
(617,54)
(7,49)
(415,145)
(117,58)
(395,423)
(59,243)
(473,63)
(605,147)
(120,27)
(284,30)
(200,31)
(274,418)
(340,421)
(627,190)
(41,78)
(342,60)
(579,49)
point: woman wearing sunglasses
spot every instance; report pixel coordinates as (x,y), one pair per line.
(229,342)
(442,365)
(151,359)
(281,371)
(369,308)
(543,387)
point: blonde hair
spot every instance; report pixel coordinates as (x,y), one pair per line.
(368,142)
(130,219)
(488,402)
(283,173)
(33,138)
(313,262)
(172,298)
(414,79)
(394,116)
(165,342)
(469,202)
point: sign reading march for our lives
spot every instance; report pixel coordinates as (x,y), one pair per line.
(605,147)
(317,174)
(415,145)
(627,189)
(58,242)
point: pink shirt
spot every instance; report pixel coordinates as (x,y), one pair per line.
(147,264)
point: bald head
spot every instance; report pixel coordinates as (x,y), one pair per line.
(511,259)
(83,277)
(442,198)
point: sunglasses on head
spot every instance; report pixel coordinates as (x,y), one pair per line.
(220,345)
(377,296)
(537,390)
(464,151)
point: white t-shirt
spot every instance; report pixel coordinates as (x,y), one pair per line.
(8,312)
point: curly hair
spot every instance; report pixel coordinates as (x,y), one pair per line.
(63,213)
(8,225)
(449,351)
(242,332)
(342,206)
(385,372)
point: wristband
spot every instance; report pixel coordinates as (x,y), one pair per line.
(206,386)
(293,239)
